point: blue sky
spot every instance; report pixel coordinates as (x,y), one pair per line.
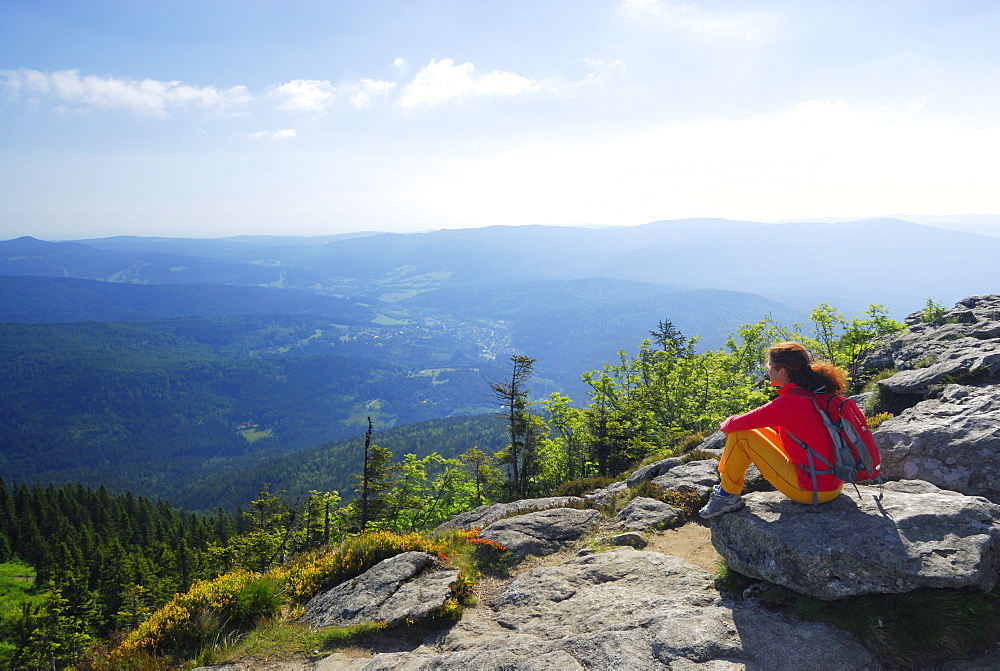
(297,117)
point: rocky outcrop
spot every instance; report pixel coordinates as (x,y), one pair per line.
(541,533)
(946,397)
(962,347)
(484,516)
(394,590)
(917,535)
(628,609)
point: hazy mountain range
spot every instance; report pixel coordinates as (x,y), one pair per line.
(889,261)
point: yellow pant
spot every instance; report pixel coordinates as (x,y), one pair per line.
(763,448)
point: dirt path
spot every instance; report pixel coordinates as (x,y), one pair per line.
(692,542)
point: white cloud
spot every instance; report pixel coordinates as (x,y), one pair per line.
(315,95)
(443,80)
(304,95)
(367,91)
(816,159)
(284,134)
(146,96)
(399,63)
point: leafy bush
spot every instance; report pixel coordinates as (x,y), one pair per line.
(933,313)
(690,442)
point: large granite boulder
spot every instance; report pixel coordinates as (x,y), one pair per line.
(645,513)
(541,533)
(607,495)
(952,441)
(694,476)
(916,536)
(483,516)
(394,590)
(650,471)
(626,609)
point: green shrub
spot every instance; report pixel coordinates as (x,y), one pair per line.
(884,374)
(933,313)
(688,502)
(315,570)
(688,443)
(697,455)
(581,486)
(728,580)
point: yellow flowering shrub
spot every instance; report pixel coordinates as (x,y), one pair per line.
(230,602)
(234,602)
(313,571)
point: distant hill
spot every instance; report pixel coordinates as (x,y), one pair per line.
(578,325)
(28,256)
(885,261)
(30,299)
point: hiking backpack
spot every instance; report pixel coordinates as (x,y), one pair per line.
(855,455)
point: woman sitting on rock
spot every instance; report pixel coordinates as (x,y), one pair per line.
(762,437)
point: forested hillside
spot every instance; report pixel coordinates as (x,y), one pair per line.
(333,466)
(150,407)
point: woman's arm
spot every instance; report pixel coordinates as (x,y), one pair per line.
(773,413)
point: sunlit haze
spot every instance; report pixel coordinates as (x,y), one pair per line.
(311,118)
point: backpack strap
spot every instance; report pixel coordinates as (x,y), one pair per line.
(811,456)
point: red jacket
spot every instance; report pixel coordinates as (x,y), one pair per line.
(796,413)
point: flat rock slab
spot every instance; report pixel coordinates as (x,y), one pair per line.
(483,516)
(541,533)
(629,609)
(392,591)
(916,536)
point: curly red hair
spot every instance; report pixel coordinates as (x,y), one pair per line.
(806,373)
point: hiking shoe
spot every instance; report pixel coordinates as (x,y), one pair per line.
(720,503)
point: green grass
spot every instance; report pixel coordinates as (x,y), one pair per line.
(274,639)
(16,581)
(253,435)
(383,320)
